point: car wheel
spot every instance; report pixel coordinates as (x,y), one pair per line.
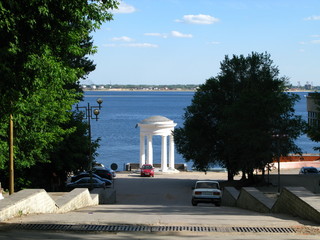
(194,203)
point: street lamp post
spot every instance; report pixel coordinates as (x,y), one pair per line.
(91,112)
(279,137)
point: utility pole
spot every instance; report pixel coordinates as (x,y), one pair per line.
(11,163)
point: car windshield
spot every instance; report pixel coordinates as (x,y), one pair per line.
(311,170)
(147,167)
(207,185)
(83,180)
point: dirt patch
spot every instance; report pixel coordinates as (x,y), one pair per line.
(308,230)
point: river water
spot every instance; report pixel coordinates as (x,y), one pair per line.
(122,110)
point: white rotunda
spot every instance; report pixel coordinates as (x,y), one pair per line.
(162,126)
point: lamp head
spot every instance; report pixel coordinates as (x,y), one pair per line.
(96,112)
(99,101)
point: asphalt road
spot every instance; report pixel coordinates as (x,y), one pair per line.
(164,200)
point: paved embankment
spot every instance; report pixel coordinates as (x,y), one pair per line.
(165,200)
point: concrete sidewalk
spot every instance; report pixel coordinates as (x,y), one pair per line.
(165,200)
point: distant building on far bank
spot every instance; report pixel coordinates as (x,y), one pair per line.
(308,86)
(313,101)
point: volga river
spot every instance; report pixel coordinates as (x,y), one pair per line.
(121,111)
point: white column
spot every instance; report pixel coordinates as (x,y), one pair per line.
(171,152)
(164,153)
(150,150)
(142,150)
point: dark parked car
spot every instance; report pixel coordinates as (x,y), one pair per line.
(308,170)
(86,182)
(103,172)
(110,170)
(86,174)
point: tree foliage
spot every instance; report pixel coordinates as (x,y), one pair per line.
(44,48)
(233,117)
(69,155)
(314,126)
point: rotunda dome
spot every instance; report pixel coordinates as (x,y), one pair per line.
(155,120)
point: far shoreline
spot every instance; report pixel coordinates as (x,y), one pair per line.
(169,90)
(137,90)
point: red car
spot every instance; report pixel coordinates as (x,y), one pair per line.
(147,170)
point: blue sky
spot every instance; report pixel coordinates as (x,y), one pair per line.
(184,41)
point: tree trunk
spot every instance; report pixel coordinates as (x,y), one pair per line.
(243,177)
(230,175)
(251,176)
(263,172)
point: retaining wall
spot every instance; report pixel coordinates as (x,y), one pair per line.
(296,201)
(310,182)
(77,198)
(300,202)
(136,166)
(31,201)
(106,196)
(26,202)
(252,199)
(230,196)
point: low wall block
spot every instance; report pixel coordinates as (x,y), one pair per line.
(300,202)
(230,196)
(106,196)
(26,202)
(252,199)
(77,198)
(310,182)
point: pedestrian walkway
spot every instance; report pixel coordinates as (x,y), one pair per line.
(165,201)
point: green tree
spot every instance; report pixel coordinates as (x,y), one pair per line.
(43,53)
(197,140)
(314,126)
(234,116)
(71,155)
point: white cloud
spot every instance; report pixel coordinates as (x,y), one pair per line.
(198,19)
(180,35)
(312,18)
(129,42)
(138,45)
(214,43)
(171,34)
(124,8)
(315,41)
(122,39)
(163,35)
